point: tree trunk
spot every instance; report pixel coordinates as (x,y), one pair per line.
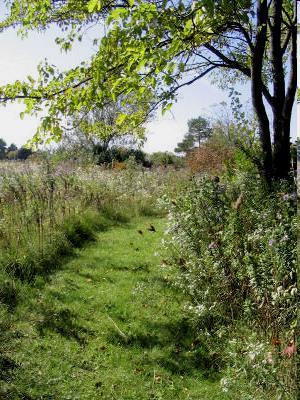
(282,116)
(281,134)
(282,153)
(257,88)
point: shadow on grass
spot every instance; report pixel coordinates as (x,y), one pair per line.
(180,352)
(13,394)
(9,293)
(7,365)
(134,267)
(63,322)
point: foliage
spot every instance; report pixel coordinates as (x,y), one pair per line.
(235,247)
(212,157)
(259,369)
(2,149)
(12,152)
(198,130)
(100,128)
(12,147)
(158,47)
(23,153)
(165,158)
(119,154)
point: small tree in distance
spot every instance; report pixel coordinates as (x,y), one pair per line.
(2,149)
(198,131)
(12,147)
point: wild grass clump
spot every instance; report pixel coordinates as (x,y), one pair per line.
(234,244)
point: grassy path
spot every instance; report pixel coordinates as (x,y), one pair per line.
(106,326)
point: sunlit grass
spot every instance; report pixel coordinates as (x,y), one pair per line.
(107,325)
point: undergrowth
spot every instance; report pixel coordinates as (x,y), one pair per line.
(234,244)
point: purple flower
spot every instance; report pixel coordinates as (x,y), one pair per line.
(289,196)
(271,242)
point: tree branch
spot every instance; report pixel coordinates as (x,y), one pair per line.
(242,68)
(292,86)
(286,41)
(46,96)
(195,79)
(246,35)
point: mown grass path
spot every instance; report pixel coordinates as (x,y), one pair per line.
(108,325)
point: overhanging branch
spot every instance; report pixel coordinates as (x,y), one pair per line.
(45,96)
(233,64)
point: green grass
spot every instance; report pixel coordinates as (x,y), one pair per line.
(108,325)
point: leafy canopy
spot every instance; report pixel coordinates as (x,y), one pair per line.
(149,51)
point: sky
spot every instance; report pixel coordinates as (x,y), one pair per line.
(19,58)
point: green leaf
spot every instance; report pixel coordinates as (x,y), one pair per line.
(166,108)
(92,5)
(188,26)
(121,118)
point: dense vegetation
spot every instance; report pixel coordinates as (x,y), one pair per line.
(235,246)
(226,265)
(229,255)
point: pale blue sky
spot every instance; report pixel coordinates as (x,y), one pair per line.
(20,58)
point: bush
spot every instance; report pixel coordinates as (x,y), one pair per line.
(164,159)
(212,157)
(235,246)
(118,155)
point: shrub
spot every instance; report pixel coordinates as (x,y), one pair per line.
(165,158)
(118,166)
(235,246)
(115,155)
(211,157)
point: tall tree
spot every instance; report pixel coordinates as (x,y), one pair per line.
(163,46)
(2,149)
(198,130)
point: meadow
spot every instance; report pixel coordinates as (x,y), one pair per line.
(145,284)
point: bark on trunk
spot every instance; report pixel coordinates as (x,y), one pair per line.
(282,151)
(257,88)
(281,131)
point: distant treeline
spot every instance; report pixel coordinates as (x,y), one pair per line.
(12,152)
(116,156)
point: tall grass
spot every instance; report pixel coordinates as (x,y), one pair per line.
(47,210)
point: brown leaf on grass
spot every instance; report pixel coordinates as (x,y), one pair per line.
(138,370)
(275,341)
(151,228)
